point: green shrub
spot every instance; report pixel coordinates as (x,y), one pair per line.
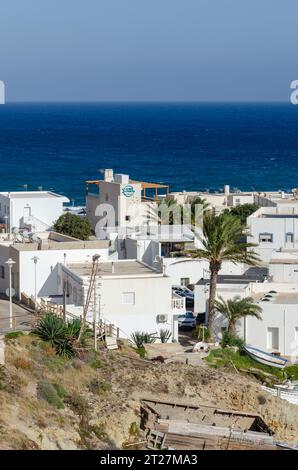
(79,405)
(97,386)
(73,225)
(164,335)
(142,337)
(231,340)
(141,351)
(73,330)
(96,364)
(61,392)
(48,392)
(13,334)
(53,329)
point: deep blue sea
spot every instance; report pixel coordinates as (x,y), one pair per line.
(188,146)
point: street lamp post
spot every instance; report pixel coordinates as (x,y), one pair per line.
(10,264)
(35,259)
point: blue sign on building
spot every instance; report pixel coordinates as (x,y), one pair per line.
(128,190)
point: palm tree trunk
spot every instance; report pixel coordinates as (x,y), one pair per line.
(232,328)
(211,309)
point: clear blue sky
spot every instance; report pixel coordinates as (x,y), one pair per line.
(156,50)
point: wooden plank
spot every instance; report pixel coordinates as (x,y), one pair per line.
(111,342)
(199,430)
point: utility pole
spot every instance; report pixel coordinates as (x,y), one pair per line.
(35,259)
(94,315)
(10,264)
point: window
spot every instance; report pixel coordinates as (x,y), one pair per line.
(237,202)
(273,338)
(128,298)
(265,238)
(184,281)
(289,237)
(2,272)
(127,218)
(296,333)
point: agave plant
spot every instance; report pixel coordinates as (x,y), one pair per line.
(51,328)
(54,329)
(164,335)
(73,330)
(141,337)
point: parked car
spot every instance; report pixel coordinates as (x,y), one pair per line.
(187,320)
(183,291)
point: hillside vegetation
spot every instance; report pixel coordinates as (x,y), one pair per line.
(93,402)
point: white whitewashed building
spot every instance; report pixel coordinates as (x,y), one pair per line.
(129,294)
(277,331)
(35,211)
(50,249)
(118,201)
(274,228)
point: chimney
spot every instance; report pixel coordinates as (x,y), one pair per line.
(226,189)
(109,175)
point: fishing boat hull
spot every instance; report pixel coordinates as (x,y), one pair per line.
(290,396)
(266,358)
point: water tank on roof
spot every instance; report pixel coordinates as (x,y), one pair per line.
(122,179)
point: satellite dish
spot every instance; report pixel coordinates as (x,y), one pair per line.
(158,259)
(12,291)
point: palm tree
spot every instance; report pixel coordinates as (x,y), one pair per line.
(194,210)
(222,241)
(234,309)
(167,212)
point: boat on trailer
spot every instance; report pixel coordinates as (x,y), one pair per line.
(266,358)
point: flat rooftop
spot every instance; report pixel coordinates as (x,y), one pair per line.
(54,241)
(250,275)
(114,268)
(32,195)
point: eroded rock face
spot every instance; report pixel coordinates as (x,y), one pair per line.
(102,398)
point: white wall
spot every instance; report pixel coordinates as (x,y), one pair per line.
(278,227)
(281,316)
(46,210)
(4,255)
(47,268)
(284,272)
(142,315)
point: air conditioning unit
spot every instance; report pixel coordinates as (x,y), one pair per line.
(162,318)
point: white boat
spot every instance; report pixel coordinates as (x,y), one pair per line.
(266,358)
(289,395)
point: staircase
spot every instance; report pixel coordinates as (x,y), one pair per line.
(105,330)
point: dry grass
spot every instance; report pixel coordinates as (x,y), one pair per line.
(101,404)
